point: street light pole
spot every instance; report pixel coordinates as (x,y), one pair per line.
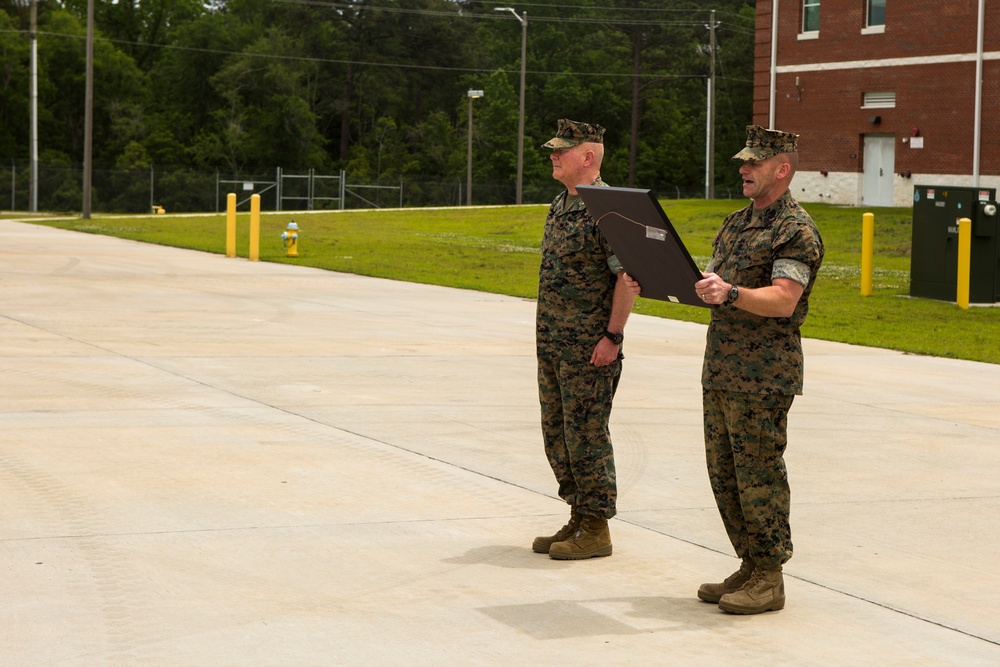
(520,122)
(473,94)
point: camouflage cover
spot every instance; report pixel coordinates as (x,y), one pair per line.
(763,144)
(573,132)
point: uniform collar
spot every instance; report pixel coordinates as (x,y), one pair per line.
(762,217)
(577,204)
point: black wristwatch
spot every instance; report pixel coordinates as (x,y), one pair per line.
(734,293)
(615,338)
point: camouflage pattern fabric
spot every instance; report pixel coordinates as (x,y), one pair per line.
(746,352)
(576,406)
(576,282)
(763,144)
(745,438)
(752,371)
(571,133)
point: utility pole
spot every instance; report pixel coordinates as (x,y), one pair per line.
(34,106)
(710,115)
(88,113)
(520,117)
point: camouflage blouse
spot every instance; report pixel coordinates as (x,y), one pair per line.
(746,352)
(576,282)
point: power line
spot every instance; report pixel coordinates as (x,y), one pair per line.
(458,13)
(649,77)
(336,61)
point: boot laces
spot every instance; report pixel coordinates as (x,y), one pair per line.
(585,525)
(746,568)
(759,574)
(569,529)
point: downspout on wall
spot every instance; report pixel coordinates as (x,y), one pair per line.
(774,62)
(978,113)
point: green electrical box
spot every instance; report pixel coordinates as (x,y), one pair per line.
(934,254)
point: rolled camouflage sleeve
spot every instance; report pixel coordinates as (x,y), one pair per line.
(792,269)
(798,253)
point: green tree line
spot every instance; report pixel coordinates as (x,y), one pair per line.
(377,88)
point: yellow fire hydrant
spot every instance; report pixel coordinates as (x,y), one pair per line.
(290,238)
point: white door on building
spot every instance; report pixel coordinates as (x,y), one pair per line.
(880,161)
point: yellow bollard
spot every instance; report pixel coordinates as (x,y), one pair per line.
(867,252)
(254,228)
(231,224)
(964,261)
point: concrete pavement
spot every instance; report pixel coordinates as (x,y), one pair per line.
(210,461)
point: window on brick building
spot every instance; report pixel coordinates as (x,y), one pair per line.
(810,15)
(876,13)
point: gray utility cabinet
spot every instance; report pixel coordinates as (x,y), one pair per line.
(934,254)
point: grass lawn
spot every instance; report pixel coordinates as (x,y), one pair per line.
(496,249)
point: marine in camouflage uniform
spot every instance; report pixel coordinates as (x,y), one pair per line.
(575,287)
(753,368)
(577,283)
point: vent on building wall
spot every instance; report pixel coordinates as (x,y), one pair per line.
(880,100)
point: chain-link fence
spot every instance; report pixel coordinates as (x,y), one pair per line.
(185,190)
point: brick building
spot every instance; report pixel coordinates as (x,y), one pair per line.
(883,94)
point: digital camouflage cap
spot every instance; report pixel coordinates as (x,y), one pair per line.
(573,132)
(763,144)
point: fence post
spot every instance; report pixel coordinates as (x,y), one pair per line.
(279,179)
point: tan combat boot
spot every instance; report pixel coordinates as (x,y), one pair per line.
(591,539)
(735,581)
(765,591)
(541,544)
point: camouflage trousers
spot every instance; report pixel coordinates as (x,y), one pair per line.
(745,438)
(576,406)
